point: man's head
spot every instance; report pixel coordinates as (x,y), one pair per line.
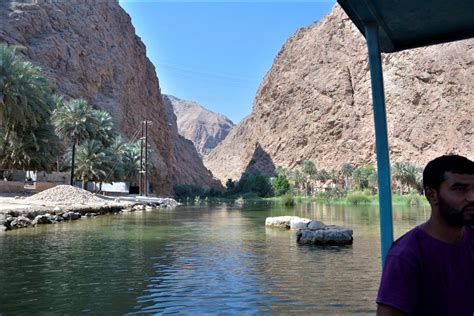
(448,182)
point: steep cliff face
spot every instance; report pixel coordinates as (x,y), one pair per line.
(204,128)
(315,103)
(89,50)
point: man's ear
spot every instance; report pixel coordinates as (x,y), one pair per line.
(431,195)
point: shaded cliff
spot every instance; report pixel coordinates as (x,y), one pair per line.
(315,103)
(204,128)
(89,50)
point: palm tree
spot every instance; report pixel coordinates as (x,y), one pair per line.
(24,93)
(28,140)
(309,171)
(346,170)
(73,120)
(398,174)
(360,179)
(297,178)
(407,176)
(104,129)
(131,160)
(323,175)
(93,163)
(372,181)
(34,150)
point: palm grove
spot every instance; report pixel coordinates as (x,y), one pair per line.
(356,183)
(40,130)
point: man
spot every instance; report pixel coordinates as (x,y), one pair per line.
(430,269)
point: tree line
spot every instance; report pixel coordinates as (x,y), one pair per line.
(307,180)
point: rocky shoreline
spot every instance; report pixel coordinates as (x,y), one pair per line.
(32,216)
(66,203)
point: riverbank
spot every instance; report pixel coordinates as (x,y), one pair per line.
(352,198)
(357,198)
(63,203)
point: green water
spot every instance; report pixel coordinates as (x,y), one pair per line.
(194,260)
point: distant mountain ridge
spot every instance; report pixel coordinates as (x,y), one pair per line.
(315,103)
(203,127)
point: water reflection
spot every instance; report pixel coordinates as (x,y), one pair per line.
(195,260)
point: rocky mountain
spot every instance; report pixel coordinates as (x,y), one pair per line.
(315,103)
(204,128)
(89,50)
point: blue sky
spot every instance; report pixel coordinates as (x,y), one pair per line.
(217,52)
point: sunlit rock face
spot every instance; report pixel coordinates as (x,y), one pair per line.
(89,50)
(204,128)
(315,103)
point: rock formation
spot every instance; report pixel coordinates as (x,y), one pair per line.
(89,50)
(204,128)
(315,103)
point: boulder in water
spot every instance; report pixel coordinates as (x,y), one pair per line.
(42,219)
(20,222)
(329,235)
(286,221)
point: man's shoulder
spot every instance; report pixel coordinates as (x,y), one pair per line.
(407,245)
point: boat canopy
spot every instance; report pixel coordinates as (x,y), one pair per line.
(405,24)
(391,26)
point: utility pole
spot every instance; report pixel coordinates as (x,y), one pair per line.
(144,158)
(73,158)
(140,172)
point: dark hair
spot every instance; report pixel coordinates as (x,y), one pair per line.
(433,175)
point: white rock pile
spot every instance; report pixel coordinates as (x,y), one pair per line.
(66,194)
(312,231)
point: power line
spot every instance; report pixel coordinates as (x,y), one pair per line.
(209,74)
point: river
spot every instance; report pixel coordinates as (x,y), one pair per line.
(216,259)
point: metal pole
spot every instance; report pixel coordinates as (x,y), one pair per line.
(73,158)
(381,139)
(140,173)
(146,157)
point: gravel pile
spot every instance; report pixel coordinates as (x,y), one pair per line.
(66,194)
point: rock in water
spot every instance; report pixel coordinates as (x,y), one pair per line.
(42,219)
(291,222)
(312,231)
(329,235)
(20,222)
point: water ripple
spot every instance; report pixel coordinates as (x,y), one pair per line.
(192,261)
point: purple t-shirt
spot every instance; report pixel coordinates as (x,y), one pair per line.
(426,276)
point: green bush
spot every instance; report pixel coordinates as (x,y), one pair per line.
(187,190)
(280,185)
(213,192)
(358,198)
(414,199)
(249,196)
(253,183)
(288,200)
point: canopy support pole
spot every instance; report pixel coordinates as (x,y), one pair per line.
(381,139)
